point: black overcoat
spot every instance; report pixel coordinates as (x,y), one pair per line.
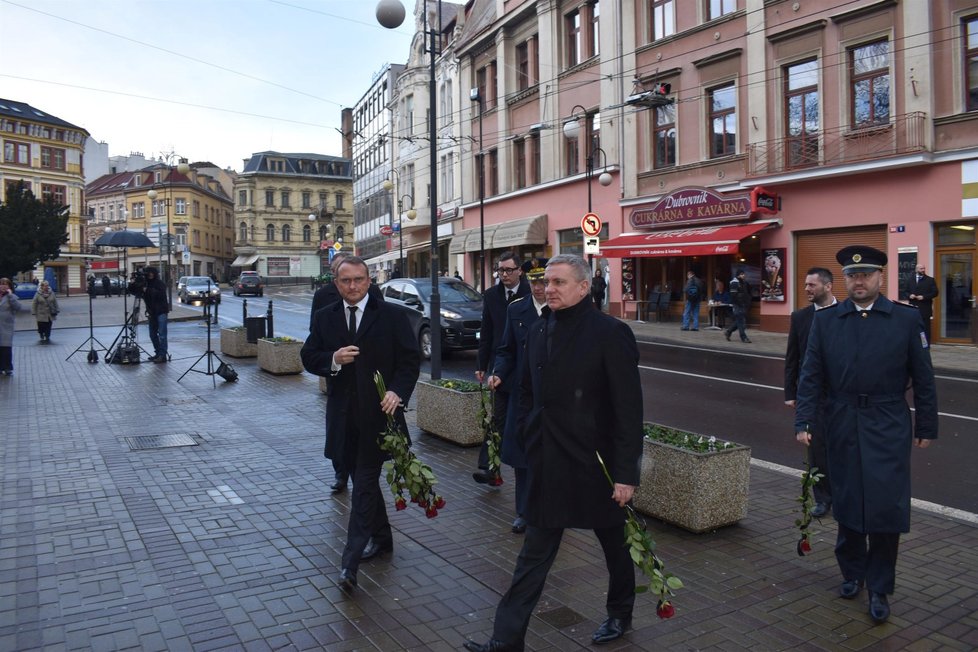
(927,288)
(865,365)
(507,364)
(387,344)
(584,397)
(494,320)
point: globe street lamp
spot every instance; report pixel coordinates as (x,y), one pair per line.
(390,14)
(183,168)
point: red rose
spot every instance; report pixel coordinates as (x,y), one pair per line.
(804,547)
(400,503)
(665,609)
(414,499)
(496,481)
(440,503)
(431,512)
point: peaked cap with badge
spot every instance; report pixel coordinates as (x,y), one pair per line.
(534,269)
(860,258)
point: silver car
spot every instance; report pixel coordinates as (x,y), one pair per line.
(199,288)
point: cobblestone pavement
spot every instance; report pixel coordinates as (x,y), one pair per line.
(233,543)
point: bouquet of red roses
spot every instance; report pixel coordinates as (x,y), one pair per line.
(491,435)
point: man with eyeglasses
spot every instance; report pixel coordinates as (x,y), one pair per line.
(511,286)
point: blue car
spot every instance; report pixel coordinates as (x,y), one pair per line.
(25,290)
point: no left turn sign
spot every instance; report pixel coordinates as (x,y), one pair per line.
(591,224)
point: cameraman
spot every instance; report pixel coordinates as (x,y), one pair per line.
(153,293)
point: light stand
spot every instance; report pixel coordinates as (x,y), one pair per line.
(223,369)
(125,348)
(91,341)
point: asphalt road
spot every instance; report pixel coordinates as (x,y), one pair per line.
(735,396)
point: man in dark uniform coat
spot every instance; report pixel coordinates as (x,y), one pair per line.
(921,292)
(509,359)
(350,341)
(818,289)
(580,395)
(511,286)
(863,354)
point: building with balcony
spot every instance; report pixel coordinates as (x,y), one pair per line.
(46,153)
(292,212)
(755,134)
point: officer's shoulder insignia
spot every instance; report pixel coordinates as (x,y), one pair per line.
(923,340)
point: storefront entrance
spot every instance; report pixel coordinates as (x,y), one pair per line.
(956,276)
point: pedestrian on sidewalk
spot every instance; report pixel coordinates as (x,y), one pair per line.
(9,306)
(818,290)
(740,300)
(153,294)
(693,292)
(580,395)
(598,288)
(863,354)
(44,307)
(106,286)
(350,341)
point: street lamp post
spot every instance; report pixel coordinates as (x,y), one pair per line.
(183,168)
(476,96)
(572,130)
(390,14)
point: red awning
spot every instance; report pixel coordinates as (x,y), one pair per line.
(691,241)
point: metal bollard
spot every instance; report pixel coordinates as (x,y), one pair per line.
(244,310)
(269,325)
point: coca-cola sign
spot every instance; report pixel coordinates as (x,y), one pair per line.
(691,205)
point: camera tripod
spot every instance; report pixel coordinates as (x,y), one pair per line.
(124,348)
(222,369)
(91,341)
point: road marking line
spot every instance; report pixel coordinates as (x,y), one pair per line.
(779,389)
(923,505)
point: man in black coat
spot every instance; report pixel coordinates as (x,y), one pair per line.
(862,355)
(921,292)
(157,305)
(350,340)
(511,286)
(818,289)
(580,395)
(740,300)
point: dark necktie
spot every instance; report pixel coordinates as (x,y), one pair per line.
(509,296)
(353,321)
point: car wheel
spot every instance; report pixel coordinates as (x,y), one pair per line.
(424,342)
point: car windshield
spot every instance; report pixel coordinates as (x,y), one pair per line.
(199,280)
(451,292)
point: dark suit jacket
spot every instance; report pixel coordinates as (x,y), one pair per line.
(387,345)
(494,320)
(801,326)
(927,288)
(584,397)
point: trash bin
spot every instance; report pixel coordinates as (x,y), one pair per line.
(254,328)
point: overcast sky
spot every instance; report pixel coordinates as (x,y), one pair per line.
(209,80)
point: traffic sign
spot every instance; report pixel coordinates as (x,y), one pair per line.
(592,245)
(338,245)
(387,229)
(591,224)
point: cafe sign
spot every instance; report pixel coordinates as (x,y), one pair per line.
(691,205)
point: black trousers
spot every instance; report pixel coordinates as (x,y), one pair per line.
(500,403)
(368,515)
(540,547)
(6,358)
(874,564)
(44,328)
(740,324)
(522,489)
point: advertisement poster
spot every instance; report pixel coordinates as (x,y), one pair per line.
(772,276)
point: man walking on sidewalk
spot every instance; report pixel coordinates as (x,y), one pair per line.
(740,299)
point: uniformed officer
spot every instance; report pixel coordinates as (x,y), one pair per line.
(866,352)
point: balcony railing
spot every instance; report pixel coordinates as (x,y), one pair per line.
(903,134)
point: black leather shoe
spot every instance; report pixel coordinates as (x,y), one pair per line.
(519,525)
(746,340)
(850,589)
(820,510)
(611,630)
(493,646)
(347,580)
(337,487)
(482,477)
(374,549)
(727,335)
(879,608)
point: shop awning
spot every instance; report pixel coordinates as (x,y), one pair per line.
(244,261)
(692,241)
(506,235)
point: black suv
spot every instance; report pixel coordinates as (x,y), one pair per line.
(461,310)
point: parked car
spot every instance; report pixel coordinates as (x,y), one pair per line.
(461,311)
(181,283)
(196,288)
(115,286)
(250,284)
(25,290)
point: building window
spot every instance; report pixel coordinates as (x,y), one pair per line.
(181,206)
(581,27)
(243,232)
(523,66)
(338,199)
(270,233)
(306,233)
(593,123)
(664,136)
(493,174)
(519,164)
(196,238)
(307,200)
(409,115)
(111,208)
(970,26)
(575,55)
(242,198)
(52,158)
(322,201)
(485,80)
(340,232)
(14,152)
(662,14)
(869,75)
(721,8)
(801,114)
(723,121)
(138,210)
(595,12)
(269,198)
(57,194)
(572,152)
(533,156)
(196,206)
(285,199)
(323,232)
(286,233)
(278,266)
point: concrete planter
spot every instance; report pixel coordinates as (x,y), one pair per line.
(234,343)
(279,358)
(696,491)
(449,414)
